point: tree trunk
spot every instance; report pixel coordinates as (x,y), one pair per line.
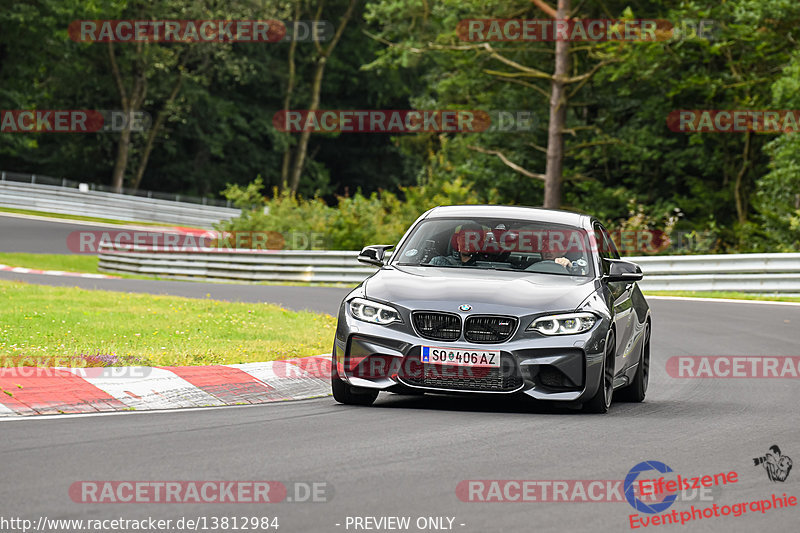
(123,149)
(302,145)
(316,89)
(558,113)
(154,129)
(738,194)
(130,104)
(287,102)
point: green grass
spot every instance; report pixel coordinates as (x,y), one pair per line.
(81,217)
(81,263)
(66,262)
(41,325)
(722,294)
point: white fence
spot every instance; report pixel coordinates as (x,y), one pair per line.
(755,273)
(73,201)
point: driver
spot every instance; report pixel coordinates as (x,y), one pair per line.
(466,244)
(548,253)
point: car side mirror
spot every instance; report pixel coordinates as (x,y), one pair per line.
(621,270)
(374,255)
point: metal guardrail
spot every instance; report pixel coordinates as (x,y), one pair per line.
(40,179)
(72,201)
(313,266)
(754,273)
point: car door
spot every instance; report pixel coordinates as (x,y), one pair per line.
(623,305)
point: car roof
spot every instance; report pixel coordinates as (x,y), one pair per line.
(533,214)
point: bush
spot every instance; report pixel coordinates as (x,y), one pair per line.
(355,222)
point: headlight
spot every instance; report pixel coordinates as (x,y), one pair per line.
(373,312)
(563,324)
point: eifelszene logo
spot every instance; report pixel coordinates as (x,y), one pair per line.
(630,484)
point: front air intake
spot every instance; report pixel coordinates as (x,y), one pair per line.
(489,328)
(437,326)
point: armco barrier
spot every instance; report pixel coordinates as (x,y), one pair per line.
(755,273)
(72,201)
(247,265)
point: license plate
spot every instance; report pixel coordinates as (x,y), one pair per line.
(450,356)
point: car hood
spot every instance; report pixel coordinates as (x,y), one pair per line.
(486,291)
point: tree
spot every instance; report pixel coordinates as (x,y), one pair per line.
(558,111)
(324,52)
(158,71)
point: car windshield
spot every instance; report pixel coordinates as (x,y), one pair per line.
(498,244)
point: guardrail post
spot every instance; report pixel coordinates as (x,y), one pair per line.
(33,179)
(3,176)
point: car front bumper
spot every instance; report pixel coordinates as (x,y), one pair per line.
(558,368)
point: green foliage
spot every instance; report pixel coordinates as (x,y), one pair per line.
(778,192)
(355,222)
(622,163)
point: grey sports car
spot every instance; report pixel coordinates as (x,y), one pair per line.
(496,300)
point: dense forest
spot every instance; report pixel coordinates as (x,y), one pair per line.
(614,152)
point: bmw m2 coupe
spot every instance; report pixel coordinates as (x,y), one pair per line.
(496,300)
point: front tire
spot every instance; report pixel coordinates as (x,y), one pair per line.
(347,394)
(635,392)
(601,400)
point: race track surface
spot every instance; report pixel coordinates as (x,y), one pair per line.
(37,236)
(405,455)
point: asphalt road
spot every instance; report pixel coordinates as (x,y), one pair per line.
(405,456)
(37,236)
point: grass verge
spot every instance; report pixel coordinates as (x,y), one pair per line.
(721,294)
(40,324)
(65,262)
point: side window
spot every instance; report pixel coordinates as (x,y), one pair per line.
(606,247)
(611,247)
